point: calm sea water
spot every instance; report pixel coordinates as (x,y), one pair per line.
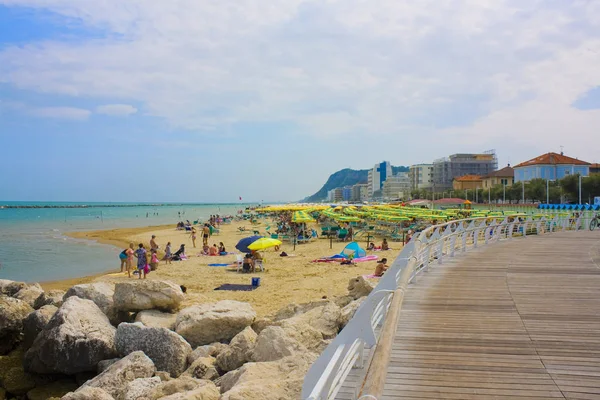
(33,245)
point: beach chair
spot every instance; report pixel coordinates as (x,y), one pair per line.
(259,264)
(239,261)
(341,234)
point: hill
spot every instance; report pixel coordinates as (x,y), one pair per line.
(345,177)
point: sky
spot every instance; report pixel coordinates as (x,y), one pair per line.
(209,100)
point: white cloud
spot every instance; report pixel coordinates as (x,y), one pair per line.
(60,113)
(479,70)
(116,109)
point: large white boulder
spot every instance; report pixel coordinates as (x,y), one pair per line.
(10,288)
(156,319)
(88,393)
(140,388)
(100,293)
(139,295)
(274,343)
(51,297)
(325,319)
(114,379)
(35,323)
(349,311)
(30,294)
(179,386)
(275,380)
(12,314)
(77,337)
(214,322)
(239,351)
(166,349)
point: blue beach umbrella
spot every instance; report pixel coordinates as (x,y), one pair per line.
(245,242)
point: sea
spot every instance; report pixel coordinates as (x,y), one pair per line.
(34,246)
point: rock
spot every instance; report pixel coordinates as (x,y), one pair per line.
(214,322)
(325,319)
(140,388)
(343,301)
(51,297)
(156,319)
(54,389)
(292,310)
(166,349)
(76,339)
(207,392)
(164,376)
(104,364)
(275,380)
(348,311)
(261,323)
(304,334)
(88,393)
(208,350)
(12,314)
(115,378)
(179,385)
(10,288)
(239,351)
(202,368)
(100,293)
(35,323)
(16,381)
(147,295)
(273,344)
(359,287)
(30,294)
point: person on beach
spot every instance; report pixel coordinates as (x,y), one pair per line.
(168,255)
(248,264)
(222,250)
(123,258)
(193,236)
(213,251)
(381,267)
(142,260)
(205,234)
(153,245)
(385,245)
(153,260)
(371,246)
(205,250)
(129,259)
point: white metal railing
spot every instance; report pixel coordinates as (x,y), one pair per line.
(328,373)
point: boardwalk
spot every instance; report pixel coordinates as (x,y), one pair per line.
(516,320)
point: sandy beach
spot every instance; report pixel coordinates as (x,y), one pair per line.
(294,279)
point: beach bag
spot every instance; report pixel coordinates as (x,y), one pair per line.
(146,269)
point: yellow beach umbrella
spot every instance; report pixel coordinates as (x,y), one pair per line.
(264,243)
(301,216)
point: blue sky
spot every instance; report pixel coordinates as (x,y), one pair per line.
(202,101)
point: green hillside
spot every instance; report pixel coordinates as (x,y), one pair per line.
(345,177)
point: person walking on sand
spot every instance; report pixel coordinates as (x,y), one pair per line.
(153,244)
(193,236)
(142,260)
(205,234)
(129,259)
(168,253)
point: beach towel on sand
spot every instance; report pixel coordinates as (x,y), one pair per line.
(218,265)
(237,287)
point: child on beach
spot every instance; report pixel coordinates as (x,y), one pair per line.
(142,260)
(168,254)
(381,267)
(153,260)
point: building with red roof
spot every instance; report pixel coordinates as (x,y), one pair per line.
(550,166)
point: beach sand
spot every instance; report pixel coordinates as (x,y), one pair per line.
(293,279)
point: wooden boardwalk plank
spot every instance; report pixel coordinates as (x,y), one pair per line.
(518,319)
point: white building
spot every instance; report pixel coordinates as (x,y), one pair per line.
(377,175)
(360,192)
(421,176)
(397,187)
